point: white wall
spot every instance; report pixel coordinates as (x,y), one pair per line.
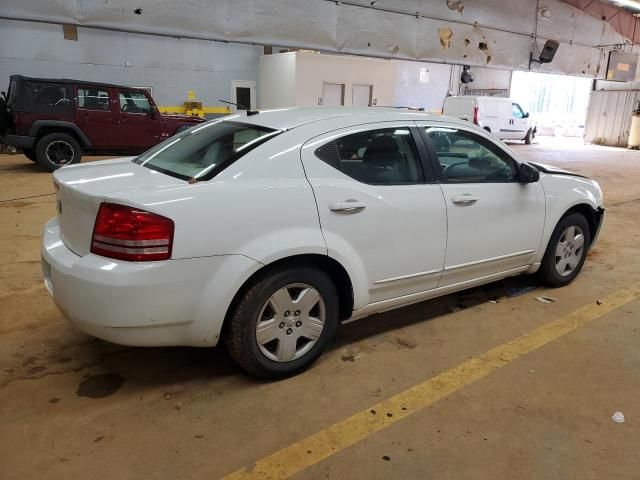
(312,69)
(422,84)
(277,84)
(490,79)
(171,66)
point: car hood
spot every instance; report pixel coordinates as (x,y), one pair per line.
(554,170)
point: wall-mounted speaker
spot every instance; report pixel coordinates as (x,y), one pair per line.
(546,55)
(548,51)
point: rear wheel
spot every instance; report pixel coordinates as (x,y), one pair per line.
(283,322)
(56,150)
(30,154)
(566,252)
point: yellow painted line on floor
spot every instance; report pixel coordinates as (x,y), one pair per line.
(315,448)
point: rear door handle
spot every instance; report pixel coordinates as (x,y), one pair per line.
(466,199)
(350,205)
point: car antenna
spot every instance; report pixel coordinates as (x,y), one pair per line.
(241,107)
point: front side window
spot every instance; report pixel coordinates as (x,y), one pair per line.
(201,152)
(517,111)
(134,102)
(93,99)
(378,157)
(465,157)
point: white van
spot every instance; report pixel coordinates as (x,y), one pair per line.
(501,116)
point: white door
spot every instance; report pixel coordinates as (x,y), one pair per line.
(505,120)
(332,94)
(361,95)
(519,122)
(243,93)
(495,222)
(488,114)
(377,212)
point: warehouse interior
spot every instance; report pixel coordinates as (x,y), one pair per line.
(508,379)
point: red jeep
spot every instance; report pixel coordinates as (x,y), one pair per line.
(54,121)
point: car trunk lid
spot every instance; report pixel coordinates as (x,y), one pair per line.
(81,189)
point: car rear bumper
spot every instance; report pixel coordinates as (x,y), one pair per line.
(20,141)
(174,302)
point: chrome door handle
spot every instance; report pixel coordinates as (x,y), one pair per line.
(350,205)
(465,199)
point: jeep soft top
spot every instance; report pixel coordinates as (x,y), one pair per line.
(53,120)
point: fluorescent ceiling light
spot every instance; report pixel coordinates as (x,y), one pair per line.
(628,3)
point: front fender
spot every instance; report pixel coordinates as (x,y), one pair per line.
(564,192)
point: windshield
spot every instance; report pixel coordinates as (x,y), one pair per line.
(201,152)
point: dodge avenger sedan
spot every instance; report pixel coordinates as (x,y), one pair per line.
(265,230)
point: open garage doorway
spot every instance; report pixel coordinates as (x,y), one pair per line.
(557,103)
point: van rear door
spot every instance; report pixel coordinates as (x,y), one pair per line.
(459,107)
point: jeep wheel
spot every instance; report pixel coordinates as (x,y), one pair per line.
(30,154)
(56,150)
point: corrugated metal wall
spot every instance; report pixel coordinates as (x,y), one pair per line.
(609,116)
(494,33)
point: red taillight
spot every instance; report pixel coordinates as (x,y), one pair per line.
(128,233)
(475,115)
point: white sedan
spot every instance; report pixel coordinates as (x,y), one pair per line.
(266,230)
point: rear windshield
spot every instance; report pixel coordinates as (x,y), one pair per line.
(201,152)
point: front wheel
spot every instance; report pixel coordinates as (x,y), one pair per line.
(566,252)
(283,322)
(529,137)
(56,150)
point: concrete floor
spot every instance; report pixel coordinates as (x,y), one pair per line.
(76,407)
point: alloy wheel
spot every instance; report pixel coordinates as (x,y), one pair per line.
(60,152)
(569,250)
(290,322)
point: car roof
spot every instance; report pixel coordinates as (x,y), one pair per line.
(288,118)
(70,81)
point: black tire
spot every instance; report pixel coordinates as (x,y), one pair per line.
(240,336)
(548,272)
(30,154)
(528,137)
(68,151)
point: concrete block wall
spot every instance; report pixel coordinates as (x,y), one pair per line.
(172,66)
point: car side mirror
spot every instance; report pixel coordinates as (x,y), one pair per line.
(528,174)
(526,115)
(153,112)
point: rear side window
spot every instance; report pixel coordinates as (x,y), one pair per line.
(42,97)
(201,152)
(377,157)
(465,157)
(93,99)
(134,102)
